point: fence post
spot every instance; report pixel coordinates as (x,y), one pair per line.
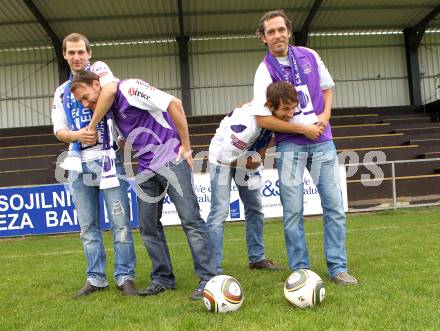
(393,179)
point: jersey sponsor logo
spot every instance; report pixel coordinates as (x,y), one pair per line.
(98,69)
(145,84)
(135,92)
(307,69)
(238,128)
(237,142)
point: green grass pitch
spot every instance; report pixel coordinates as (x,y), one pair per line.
(394,254)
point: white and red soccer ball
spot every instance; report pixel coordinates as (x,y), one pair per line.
(223,294)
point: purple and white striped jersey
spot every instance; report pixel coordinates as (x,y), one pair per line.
(140,113)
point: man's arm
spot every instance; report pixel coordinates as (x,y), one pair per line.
(249,160)
(175,109)
(324,117)
(311,131)
(326,83)
(105,101)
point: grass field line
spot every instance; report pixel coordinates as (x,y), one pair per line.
(178,243)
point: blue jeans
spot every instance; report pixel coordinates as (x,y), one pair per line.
(322,162)
(176,180)
(221,177)
(85,192)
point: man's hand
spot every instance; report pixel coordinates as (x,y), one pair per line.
(121,143)
(92,129)
(85,136)
(313,131)
(185,153)
(250,160)
(323,120)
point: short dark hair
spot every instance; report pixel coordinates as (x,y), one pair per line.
(73,38)
(272,14)
(280,91)
(83,78)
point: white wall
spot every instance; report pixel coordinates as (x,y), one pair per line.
(156,63)
(368,70)
(222,73)
(27,81)
(429,60)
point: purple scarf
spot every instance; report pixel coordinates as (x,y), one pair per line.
(278,72)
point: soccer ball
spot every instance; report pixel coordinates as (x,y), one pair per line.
(222,294)
(304,288)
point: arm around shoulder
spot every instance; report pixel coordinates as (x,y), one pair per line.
(105,101)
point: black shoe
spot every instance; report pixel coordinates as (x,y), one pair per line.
(197,294)
(88,289)
(128,288)
(265,264)
(154,289)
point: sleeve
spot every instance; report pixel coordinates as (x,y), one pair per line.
(59,119)
(262,80)
(103,71)
(142,95)
(239,134)
(325,79)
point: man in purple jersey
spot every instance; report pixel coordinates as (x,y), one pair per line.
(154,123)
(305,70)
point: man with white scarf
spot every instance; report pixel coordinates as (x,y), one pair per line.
(93,165)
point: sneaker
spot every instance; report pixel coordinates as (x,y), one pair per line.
(265,264)
(343,278)
(197,294)
(154,289)
(128,288)
(88,289)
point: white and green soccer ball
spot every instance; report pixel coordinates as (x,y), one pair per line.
(223,294)
(304,288)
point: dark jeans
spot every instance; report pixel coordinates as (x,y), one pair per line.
(176,180)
